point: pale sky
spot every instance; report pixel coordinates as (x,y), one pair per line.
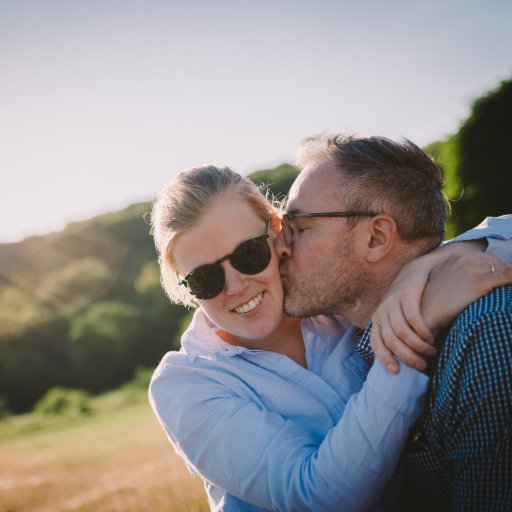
(101,101)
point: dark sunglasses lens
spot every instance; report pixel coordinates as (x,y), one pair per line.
(252,257)
(206,281)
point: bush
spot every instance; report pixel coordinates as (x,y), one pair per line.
(4,408)
(64,402)
(136,390)
(141,378)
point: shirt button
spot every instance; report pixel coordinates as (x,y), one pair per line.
(310,336)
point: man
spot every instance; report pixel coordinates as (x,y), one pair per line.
(388,195)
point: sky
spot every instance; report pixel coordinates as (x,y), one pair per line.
(103,101)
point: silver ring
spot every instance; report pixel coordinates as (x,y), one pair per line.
(491,266)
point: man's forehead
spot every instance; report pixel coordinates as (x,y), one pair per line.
(316,189)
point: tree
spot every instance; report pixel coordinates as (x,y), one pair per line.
(107,344)
(485,160)
(25,375)
(279,180)
(32,360)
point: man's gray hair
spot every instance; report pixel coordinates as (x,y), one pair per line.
(379,174)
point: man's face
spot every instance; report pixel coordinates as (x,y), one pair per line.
(320,271)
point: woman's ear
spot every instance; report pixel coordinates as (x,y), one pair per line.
(275,224)
(381,236)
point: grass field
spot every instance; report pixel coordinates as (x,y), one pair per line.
(115,460)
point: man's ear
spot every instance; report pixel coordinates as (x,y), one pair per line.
(380,234)
(275,224)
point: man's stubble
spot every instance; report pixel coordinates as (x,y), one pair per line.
(334,285)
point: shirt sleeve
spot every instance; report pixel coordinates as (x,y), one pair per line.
(479,438)
(497,231)
(270,461)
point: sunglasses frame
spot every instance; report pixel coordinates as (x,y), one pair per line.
(262,238)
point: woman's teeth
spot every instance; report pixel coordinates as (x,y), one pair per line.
(249,306)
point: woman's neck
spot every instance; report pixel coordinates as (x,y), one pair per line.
(286,340)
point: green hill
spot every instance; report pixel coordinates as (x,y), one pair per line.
(83,307)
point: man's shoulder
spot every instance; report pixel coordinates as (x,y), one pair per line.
(483,331)
(496,302)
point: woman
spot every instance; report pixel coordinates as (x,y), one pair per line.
(272,412)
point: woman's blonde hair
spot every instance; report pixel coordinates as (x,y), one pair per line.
(180,205)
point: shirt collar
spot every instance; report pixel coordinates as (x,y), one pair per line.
(201,339)
(363,347)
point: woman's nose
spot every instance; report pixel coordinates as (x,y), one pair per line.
(235,280)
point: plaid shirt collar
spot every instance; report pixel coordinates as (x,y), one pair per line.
(363,347)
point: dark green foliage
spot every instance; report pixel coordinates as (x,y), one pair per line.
(32,361)
(477,161)
(4,408)
(107,342)
(25,375)
(278,180)
(485,166)
(64,402)
(141,378)
(447,154)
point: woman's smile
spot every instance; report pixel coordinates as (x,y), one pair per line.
(250,305)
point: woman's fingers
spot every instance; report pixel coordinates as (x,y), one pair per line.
(381,352)
(399,328)
(457,282)
(498,278)
(393,344)
(411,311)
(402,332)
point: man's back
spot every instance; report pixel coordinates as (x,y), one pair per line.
(460,455)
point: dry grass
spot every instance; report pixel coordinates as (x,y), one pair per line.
(118,461)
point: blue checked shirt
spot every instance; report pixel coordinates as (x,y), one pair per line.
(459,454)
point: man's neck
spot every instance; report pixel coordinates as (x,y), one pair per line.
(362,311)
(381,278)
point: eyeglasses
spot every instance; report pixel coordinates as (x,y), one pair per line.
(250,257)
(288,218)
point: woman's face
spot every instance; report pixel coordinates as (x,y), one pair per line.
(250,307)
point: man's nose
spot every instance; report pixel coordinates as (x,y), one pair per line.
(235,280)
(283,250)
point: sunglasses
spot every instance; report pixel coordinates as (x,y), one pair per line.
(250,257)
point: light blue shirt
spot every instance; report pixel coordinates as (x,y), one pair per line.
(266,434)
(498,231)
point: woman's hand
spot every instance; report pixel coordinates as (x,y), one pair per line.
(398,326)
(459,281)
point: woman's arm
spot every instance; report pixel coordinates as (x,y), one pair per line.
(398,326)
(273,462)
